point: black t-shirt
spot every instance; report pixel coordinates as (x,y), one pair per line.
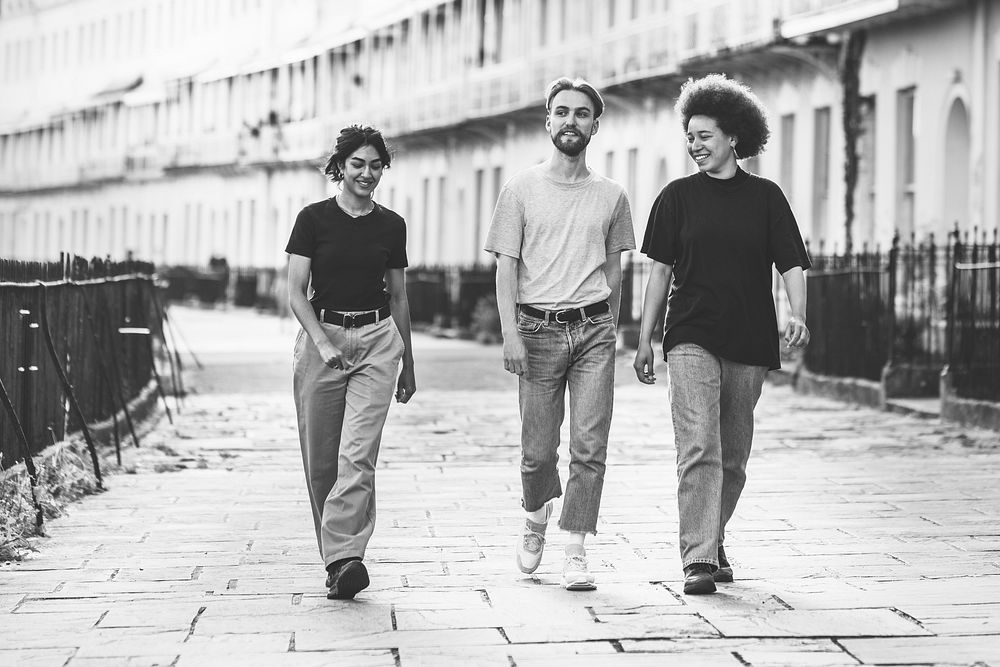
(722,237)
(349,255)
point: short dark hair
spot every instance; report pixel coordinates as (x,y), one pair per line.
(734,107)
(566,83)
(351,139)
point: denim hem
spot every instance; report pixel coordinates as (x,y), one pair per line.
(591,531)
(706,561)
(524,505)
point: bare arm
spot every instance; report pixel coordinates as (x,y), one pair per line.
(654,302)
(613,273)
(396,282)
(298,283)
(796,332)
(515,356)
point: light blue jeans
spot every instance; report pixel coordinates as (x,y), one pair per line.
(711,404)
(580,356)
(340,415)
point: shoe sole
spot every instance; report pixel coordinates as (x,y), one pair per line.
(580,586)
(701,587)
(352,580)
(724,575)
(517,550)
(527,570)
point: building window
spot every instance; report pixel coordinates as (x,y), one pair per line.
(543,22)
(425,216)
(477,216)
(612,10)
(609,164)
(788,154)
(821,171)
(631,172)
(905,153)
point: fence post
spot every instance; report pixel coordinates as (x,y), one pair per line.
(891,324)
(27,370)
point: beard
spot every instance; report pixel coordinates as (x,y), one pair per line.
(570,143)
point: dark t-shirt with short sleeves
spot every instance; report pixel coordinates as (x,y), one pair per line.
(349,255)
(721,236)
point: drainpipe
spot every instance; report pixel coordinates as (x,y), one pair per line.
(849,67)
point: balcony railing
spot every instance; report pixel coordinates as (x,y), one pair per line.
(804,17)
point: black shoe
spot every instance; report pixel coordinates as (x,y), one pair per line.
(698,579)
(725,572)
(347,581)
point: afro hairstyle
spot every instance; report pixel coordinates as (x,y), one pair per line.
(734,107)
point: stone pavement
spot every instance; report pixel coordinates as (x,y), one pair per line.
(862,538)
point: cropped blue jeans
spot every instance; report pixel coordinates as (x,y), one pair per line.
(711,403)
(579,356)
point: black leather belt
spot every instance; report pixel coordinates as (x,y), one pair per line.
(349,321)
(567,315)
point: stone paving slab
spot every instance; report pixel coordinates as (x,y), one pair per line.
(862,538)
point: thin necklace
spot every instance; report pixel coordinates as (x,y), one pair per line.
(368,209)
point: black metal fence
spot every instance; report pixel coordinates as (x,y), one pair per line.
(974,318)
(922,272)
(449,296)
(849,314)
(79,342)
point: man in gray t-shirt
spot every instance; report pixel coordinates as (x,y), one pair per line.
(558,232)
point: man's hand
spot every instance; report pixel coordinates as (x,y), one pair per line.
(643,364)
(515,355)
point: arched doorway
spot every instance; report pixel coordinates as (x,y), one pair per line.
(957,151)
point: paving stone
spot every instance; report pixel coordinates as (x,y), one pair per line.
(125,661)
(926,650)
(36,657)
(809,623)
(311,640)
(193,657)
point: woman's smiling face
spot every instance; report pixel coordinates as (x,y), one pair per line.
(710,147)
(362,171)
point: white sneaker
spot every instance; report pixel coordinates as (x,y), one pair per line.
(576,574)
(532,542)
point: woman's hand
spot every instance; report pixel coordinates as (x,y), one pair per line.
(332,355)
(643,363)
(406,387)
(796,332)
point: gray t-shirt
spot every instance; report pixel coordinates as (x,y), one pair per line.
(562,234)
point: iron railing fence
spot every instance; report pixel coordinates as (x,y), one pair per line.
(920,296)
(974,318)
(448,295)
(79,339)
(849,314)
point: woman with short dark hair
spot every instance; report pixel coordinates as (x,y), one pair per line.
(716,234)
(351,252)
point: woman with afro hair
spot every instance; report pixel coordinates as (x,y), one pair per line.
(716,234)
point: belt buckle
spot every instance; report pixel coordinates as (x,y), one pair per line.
(349,316)
(560,312)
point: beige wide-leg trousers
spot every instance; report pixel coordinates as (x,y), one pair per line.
(340,416)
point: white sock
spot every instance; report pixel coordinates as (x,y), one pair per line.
(538,516)
(575,546)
